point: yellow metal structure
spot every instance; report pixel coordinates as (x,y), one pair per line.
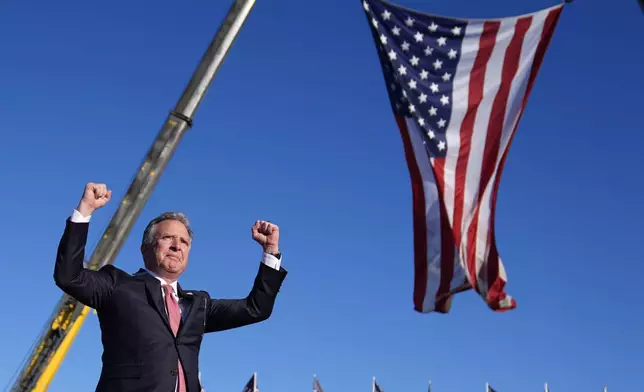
(53,365)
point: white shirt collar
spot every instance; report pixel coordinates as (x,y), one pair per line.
(173,284)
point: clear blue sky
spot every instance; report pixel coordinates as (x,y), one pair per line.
(297,129)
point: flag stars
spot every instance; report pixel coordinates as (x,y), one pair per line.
(420,66)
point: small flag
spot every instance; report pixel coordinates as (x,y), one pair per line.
(376,387)
(251,385)
(457,88)
(316,385)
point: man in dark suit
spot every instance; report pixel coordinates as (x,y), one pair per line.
(151,327)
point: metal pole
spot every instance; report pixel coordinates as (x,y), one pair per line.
(178,121)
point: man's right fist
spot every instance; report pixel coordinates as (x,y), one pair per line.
(94,197)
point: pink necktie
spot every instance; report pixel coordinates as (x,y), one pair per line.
(175,318)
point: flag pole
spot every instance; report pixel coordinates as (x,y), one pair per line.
(254,381)
(373,385)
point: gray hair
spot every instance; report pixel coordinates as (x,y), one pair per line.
(150,230)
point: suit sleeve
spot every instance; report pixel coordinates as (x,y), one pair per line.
(91,288)
(223,314)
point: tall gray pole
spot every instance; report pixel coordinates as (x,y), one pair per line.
(33,376)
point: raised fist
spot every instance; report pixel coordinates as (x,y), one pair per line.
(94,197)
(267,234)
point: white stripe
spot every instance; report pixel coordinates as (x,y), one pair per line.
(432,215)
(460,97)
(490,89)
(515,100)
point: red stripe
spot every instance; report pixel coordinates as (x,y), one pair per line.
(493,140)
(475,96)
(496,290)
(447,242)
(419,218)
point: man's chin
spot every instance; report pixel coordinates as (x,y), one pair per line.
(174,269)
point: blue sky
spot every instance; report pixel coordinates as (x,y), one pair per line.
(296,128)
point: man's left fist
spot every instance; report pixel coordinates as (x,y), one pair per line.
(267,234)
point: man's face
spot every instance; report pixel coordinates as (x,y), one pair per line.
(171,248)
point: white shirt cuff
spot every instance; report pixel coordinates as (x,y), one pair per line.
(271,261)
(77,217)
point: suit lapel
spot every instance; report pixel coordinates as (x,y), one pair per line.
(153,292)
(187,301)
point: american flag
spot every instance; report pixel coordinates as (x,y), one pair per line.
(458,88)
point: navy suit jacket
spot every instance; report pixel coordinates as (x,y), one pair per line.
(140,352)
